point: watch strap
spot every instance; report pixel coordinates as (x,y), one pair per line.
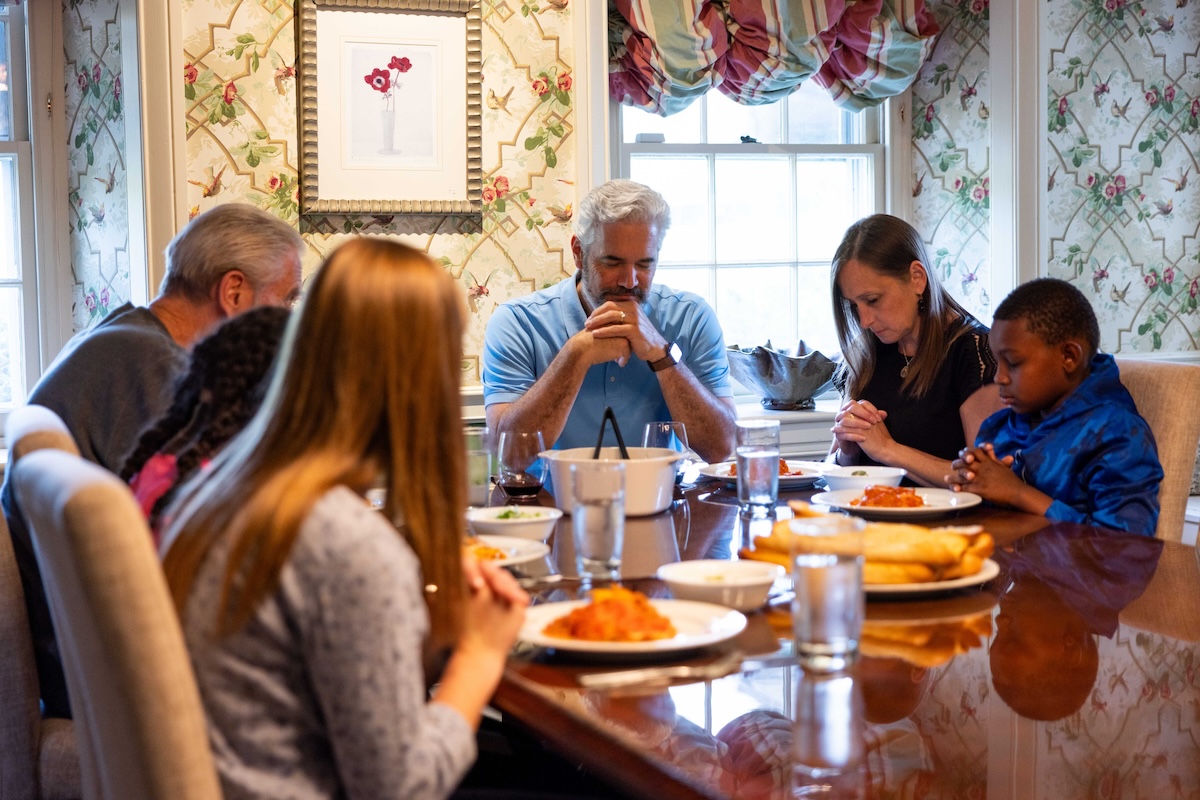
(668,360)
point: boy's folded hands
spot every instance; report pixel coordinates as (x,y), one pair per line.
(979,470)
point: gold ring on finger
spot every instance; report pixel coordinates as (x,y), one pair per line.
(622,316)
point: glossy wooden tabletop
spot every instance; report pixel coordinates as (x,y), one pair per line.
(1075,673)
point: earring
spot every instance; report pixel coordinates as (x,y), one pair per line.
(921,304)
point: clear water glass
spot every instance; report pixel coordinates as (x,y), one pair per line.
(479,464)
(598,518)
(829,604)
(758,465)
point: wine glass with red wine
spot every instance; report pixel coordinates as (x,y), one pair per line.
(522,469)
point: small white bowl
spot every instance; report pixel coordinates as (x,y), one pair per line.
(524,522)
(742,585)
(837,478)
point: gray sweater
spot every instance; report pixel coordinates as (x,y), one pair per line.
(322,695)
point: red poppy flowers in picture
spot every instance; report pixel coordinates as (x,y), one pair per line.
(382,80)
(387,83)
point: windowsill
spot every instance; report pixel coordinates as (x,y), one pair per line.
(823,413)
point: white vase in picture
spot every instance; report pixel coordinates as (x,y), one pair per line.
(388,116)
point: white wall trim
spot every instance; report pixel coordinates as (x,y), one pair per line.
(153,129)
(592,146)
(48,137)
(1018,136)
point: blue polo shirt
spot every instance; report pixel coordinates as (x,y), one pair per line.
(524,335)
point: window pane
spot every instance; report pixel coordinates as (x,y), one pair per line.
(753,213)
(687,279)
(683,182)
(728,121)
(6,111)
(9,269)
(12,362)
(754,305)
(831,193)
(683,127)
(815,309)
(813,118)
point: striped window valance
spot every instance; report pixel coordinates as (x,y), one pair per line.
(663,54)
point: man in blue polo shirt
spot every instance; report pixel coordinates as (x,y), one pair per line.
(553,360)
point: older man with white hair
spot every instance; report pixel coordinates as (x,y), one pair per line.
(610,336)
(112,380)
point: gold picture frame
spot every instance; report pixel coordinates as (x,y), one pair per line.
(390,113)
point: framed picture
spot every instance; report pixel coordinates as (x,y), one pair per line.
(390,112)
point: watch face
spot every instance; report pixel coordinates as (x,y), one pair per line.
(675,352)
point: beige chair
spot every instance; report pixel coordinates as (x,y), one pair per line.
(137,709)
(39,758)
(1166,394)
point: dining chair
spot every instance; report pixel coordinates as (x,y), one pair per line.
(137,709)
(1165,394)
(39,757)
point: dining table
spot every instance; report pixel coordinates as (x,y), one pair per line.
(1073,673)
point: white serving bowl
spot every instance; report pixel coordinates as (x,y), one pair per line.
(523,522)
(837,478)
(742,585)
(649,476)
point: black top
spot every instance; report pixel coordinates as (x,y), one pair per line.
(933,423)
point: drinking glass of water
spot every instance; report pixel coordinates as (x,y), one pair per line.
(672,436)
(827,575)
(598,517)
(522,469)
(758,465)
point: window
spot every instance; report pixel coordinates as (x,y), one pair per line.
(19,364)
(760,197)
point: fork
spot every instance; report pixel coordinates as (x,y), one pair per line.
(725,665)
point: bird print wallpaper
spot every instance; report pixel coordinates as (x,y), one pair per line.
(1121,184)
(951,151)
(239,83)
(98,217)
(1123,133)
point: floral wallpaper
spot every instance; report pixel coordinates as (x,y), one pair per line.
(1123,130)
(239,81)
(99,204)
(951,139)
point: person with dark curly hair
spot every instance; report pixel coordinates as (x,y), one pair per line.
(221,390)
(1071,445)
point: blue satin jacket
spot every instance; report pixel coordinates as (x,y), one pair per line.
(1094,455)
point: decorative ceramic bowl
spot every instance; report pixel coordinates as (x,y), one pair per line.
(785,383)
(742,585)
(861,477)
(523,522)
(649,476)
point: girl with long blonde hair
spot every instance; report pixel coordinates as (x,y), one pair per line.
(307,613)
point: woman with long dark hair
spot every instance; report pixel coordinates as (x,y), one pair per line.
(916,375)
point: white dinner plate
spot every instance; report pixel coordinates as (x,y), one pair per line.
(697,625)
(517,551)
(989,570)
(810,472)
(938,502)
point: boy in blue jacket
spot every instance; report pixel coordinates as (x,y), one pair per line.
(1071,444)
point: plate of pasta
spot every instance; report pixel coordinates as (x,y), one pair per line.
(504,550)
(620,621)
(792,474)
(914,504)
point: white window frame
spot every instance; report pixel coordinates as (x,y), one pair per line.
(39,140)
(890,151)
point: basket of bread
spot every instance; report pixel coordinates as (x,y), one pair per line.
(894,553)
